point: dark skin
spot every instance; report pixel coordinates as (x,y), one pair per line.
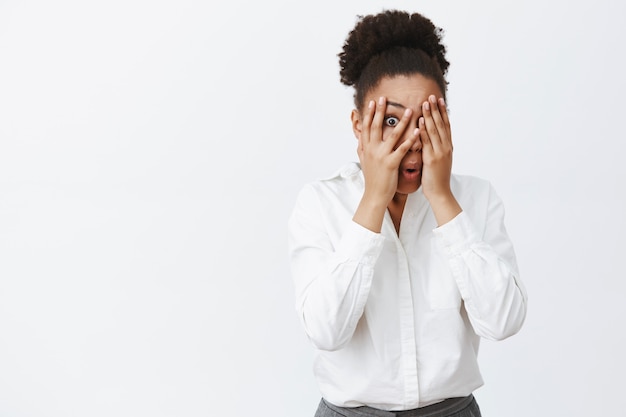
(404,142)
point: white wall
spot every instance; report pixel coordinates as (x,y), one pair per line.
(150,154)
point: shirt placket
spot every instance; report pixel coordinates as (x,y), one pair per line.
(407,329)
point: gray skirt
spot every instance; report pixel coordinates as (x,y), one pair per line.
(452,407)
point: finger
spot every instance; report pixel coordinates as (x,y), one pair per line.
(437,118)
(423,133)
(430,126)
(406,146)
(443,109)
(367,122)
(440,125)
(399,130)
(417,145)
(376,129)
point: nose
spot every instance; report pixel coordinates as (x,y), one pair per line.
(417,146)
(408,135)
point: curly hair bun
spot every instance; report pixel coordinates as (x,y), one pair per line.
(375,34)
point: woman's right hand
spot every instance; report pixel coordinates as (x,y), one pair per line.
(380,154)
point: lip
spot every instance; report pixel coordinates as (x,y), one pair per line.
(411,174)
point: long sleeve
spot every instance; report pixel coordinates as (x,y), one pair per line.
(396,318)
(332,269)
(485,271)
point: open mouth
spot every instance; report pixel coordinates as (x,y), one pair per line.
(411,174)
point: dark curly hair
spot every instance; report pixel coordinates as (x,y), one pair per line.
(392,43)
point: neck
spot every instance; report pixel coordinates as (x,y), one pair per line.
(396,208)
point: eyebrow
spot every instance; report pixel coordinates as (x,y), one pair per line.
(394,104)
(400,106)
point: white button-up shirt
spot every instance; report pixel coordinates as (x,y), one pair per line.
(396,318)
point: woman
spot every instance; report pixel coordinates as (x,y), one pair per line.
(400,267)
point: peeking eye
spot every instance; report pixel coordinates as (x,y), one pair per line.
(391,121)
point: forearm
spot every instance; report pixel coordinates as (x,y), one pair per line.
(333,303)
(332,279)
(445,208)
(488,281)
(370,213)
(493,295)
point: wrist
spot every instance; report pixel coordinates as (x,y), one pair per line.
(439,197)
(445,207)
(374,201)
(370,213)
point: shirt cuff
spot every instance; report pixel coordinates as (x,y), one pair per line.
(456,236)
(361,244)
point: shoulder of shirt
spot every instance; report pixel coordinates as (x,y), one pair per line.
(328,190)
(469,186)
(348,174)
(464,181)
(471,189)
(350,170)
(351,174)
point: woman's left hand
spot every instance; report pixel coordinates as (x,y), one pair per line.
(436,138)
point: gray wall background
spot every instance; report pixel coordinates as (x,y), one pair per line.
(150,154)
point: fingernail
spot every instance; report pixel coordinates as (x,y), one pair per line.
(407,112)
(433,99)
(426,106)
(421,121)
(416,131)
(381,100)
(371,104)
(442,101)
